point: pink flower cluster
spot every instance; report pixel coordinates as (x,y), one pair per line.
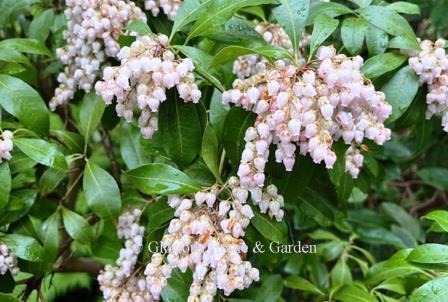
(431,65)
(6,145)
(148,68)
(93,28)
(249,65)
(308,107)
(8,261)
(169,7)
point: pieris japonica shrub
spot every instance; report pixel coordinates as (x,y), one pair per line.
(223,150)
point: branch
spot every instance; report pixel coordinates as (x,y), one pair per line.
(107,142)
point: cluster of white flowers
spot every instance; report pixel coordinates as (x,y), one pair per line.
(93,28)
(148,68)
(115,282)
(431,65)
(169,7)
(249,65)
(309,107)
(6,145)
(8,261)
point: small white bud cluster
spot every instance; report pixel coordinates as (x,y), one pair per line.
(8,261)
(6,145)
(93,28)
(169,7)
(431,65)
(308,108)
(115,282)
(353,161)
(249,65)
(148,68)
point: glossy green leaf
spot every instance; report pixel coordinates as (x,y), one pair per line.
(429,253)
(330,9)
(20,202)
(11,55)
(209,151)
(271,289)
(400,91)
(41,25)
(230,53)
(177,289)
(161,179)
(189,11)
(353,293)
(5,184)
(324,26)
(377,40)
(140,27)
(382,63)
(90,113)
(24,247)
(340,274)
(158,213)
(433,291)
(292,15)
(41,151)
(269,228)
(49,235)
(23,102)
(299,283)
(235,125)
(77,226)
(30,46)
(353,33)
(50,180)
(133,147)
(101,191)
(439,216)
(405,8)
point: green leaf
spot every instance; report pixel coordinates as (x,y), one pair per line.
(181,130)
(77,226)
(5,184)
(429,253)
(50,180)
(177,289)
(405,8)
(23,102)
(235,125)
(292,15)
(90,113)
(382,63)
(162,179)
(408,222)
(376,40)
(400,91)
(189,11)
(361,3)
(433,291)
(270,229)
(236,31)
(133,148)
(271,289)
(13,56)
(340,274)
(217,113)
(41,151)
(40,26)
(158,213)
(25,247)
(315,206)
(299,283)
(324,26)
(439,216)
(402,42)
(102,192)
(140,27)
(7,284)
(71,140)
(353,293)
(20,202)
(8,298)
(49,235)
(202,61)
(209,151)
(353,32)
(30,46)
(230,53)
(388,20)
(437,177)
(330,9)
(218,12)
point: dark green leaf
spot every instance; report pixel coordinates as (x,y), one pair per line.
(230,53)
(162,179)
(102,192)
(271,289)
(324,26)
(292,15)
(8,298)
(158,213)
(5,184)
(90,113)
(353,32)
(50,180)
(299,283)
(209,151)
(382,63)
(7,285)
(269,228)
(400,91)
(437,177)
(22,101)
(26,248)
(20,202)
(177,289)
(49,235)
(353,293)
(42,151)
(77,226)
(330,9)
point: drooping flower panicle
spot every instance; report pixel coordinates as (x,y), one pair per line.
(8,261)
(169,7)
(309,108)
(6,145)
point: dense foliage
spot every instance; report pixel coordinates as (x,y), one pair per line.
(198,150)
